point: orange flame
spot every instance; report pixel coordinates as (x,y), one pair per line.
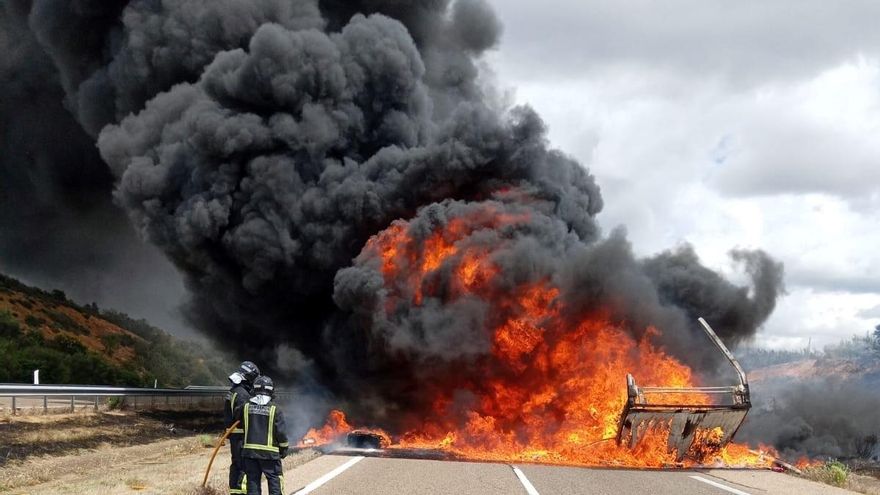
(552,389)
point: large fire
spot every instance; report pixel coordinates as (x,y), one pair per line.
(552,389)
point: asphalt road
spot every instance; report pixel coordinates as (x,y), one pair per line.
(350,475)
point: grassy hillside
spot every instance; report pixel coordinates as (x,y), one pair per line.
(70,343)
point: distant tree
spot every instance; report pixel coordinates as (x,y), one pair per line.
(875,342)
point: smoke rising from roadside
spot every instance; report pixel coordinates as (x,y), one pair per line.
(825,418)
(261,144)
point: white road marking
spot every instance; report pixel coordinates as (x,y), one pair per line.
(719,485)
(530,489)
(329,476)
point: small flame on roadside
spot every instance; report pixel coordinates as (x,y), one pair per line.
(335,427)
(553,386)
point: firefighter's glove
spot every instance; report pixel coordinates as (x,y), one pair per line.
(283,452)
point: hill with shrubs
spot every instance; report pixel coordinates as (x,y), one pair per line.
(83,344)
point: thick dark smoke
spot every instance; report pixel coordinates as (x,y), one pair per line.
(261,143)
(826,418)
(269,174)
(58,226)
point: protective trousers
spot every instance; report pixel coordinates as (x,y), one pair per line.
(237,478)
(274,475)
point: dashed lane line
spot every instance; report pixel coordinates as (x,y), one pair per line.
(530,488)
(329,476)
(719,485)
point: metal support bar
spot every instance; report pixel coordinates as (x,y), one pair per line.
(13,406)
(724,350)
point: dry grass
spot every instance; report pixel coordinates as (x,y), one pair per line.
(136,484)
(30,436)
(837,474)
(117,453)
(831,473)
(207,490)
(171,467)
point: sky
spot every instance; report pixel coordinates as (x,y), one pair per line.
(724,125)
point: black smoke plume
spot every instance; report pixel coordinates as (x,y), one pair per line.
(260,144)
(59,227)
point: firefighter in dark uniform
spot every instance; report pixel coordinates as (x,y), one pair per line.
(240,392)
(265,439)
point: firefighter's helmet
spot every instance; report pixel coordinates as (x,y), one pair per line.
(249,371)
(263,385)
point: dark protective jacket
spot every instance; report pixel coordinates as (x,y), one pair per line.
(237,396)
(265,432)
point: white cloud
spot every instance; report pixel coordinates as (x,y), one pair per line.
(821,317)
(789,162)
(870,314)
(813,136)
(737,42)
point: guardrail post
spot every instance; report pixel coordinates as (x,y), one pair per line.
(13,405)
(45,404)
(72,403)
(96,403)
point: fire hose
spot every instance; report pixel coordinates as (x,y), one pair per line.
(216,449)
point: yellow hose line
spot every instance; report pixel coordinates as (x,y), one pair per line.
(216,449)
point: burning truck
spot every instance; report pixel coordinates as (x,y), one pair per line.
(698,422)
(552,389)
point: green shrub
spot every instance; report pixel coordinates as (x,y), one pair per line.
(206,440)
(65,322)
(832,473)
(34,321)
(67,344)
(9,327)
(838,472)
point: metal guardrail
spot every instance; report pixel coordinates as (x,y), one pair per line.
(12,390)
(26,396)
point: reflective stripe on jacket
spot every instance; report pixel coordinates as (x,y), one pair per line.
(237,397)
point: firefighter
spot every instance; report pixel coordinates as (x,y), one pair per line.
(265,439)
(241,390)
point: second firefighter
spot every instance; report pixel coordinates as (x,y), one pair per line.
(265,438)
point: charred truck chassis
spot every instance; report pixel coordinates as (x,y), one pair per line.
(682,420)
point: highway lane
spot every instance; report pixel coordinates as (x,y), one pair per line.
(350,475)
